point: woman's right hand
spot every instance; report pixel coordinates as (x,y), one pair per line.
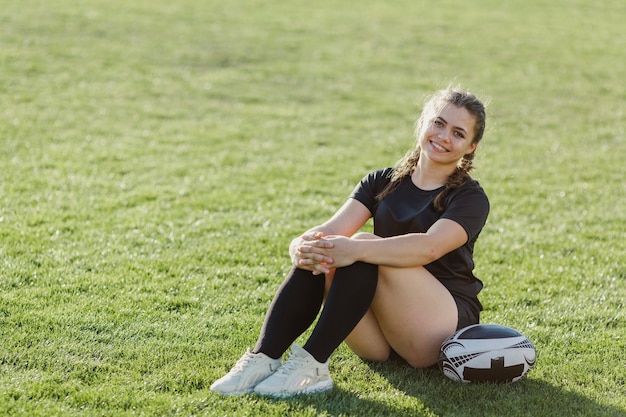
(309,252)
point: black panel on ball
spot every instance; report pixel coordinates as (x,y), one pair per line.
(489,331)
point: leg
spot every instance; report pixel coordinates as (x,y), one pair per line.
(348,299)
(292,311)
(412,312)
(368,340)
(294,308)
(306,371)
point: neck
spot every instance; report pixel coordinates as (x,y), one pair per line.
(428,176)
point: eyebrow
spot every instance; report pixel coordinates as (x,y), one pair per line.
(456,127)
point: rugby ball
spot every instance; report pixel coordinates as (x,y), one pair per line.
(487,353)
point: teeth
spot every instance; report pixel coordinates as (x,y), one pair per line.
(439,147)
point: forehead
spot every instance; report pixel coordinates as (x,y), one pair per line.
(454,115)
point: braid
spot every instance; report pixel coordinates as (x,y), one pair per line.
(459,177)
(404,168)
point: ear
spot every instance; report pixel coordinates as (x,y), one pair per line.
(472,148)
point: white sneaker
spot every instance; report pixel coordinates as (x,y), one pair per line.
(249,370)
(300,374)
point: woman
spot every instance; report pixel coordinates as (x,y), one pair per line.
(403,289)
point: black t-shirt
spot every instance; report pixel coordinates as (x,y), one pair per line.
(409,209)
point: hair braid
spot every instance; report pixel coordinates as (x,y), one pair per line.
(455,180)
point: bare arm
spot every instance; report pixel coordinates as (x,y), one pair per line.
(403,251)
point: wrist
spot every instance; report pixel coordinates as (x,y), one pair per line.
(360,250)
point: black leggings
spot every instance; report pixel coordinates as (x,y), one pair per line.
(297,304)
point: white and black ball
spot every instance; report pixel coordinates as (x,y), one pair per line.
(487,353)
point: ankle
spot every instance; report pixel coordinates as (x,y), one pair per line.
(259,352)
(314,354)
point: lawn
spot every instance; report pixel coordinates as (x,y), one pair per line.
(157,158)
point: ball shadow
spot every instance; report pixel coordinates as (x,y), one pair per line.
(531,397)
(439,395)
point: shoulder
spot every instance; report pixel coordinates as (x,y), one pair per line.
(379,177)
(470,192)
(468,205)
(382,174)
(370,186)
(472,186)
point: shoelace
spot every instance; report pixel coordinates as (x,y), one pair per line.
(242,362)
(291,364)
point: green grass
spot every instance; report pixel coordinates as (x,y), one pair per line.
(158,157)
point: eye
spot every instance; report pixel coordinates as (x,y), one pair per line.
(459,134)
(438,123)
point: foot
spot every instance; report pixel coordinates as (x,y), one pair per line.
(300,374)
(249,370)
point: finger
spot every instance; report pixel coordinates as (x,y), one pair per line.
(321,269)
(310,250)
(303,265)
(320,244)
(323,244)
(312,236)
(313,258)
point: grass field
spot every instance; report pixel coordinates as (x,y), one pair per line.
(157,157)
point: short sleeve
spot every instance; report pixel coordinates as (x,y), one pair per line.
(370,186)
(468,206)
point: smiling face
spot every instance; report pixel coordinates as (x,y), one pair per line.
(447,134)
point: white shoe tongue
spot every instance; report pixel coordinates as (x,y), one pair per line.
(299,352)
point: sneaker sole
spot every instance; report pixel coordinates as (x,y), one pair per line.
(321,386)
(234,393)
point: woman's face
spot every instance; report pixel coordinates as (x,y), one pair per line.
(447,134)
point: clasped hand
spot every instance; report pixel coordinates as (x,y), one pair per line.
(319,254)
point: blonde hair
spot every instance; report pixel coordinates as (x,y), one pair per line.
(406,166)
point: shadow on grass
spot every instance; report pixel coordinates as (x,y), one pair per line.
(527,397)
(428,392)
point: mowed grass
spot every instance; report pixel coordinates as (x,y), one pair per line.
(158,157)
